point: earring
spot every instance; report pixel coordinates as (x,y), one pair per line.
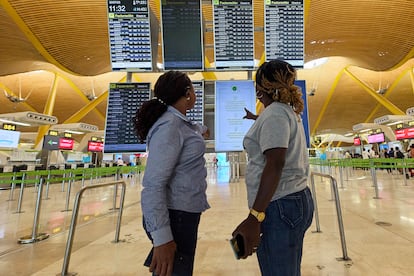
(188,98)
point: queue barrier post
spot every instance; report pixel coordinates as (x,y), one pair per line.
(338,212)
(74,221)
(35,236)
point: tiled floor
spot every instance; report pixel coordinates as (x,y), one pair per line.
(379,233)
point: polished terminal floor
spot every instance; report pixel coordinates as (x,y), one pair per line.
(378,240)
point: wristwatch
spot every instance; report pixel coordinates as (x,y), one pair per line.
(260,216)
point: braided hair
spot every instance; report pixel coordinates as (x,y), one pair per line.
(276,78)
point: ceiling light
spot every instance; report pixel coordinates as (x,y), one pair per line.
(14,122)
(74,131)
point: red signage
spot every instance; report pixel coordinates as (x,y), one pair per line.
(66,144)
(357,141)
(95,146)
(406,133)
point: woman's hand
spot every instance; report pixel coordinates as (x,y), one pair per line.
(249,229)
(249,115)
(163,259)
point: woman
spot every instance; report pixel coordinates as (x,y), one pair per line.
(174,193)
(281,206)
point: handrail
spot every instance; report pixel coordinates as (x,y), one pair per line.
(338,210)
(74,221)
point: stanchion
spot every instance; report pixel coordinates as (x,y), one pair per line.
(74,221)
(35,235)
(118,171)
(13,186)
(68,194)
(374,182)
(338,212)
(47,185)
(341,176)
(19,203)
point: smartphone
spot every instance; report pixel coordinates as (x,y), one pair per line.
(237,243)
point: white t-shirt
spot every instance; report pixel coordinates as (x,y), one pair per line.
(277,127)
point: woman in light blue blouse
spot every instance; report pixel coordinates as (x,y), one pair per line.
(174,194)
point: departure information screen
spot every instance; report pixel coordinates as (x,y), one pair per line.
(196,114)
(233,34)
(129,35)
(182,34)
(123,101)
(284,31)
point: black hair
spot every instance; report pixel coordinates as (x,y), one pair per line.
(168,89)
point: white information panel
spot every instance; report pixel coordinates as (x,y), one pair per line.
(9,139)
(231,99)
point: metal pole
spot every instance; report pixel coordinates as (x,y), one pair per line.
(315,203)
(74,222)
(68,193)
(63,182)
(374,182)
(341,176)
(12,187)
(47,185)
(339,214)
(35,236)
(340,222)
(19,203)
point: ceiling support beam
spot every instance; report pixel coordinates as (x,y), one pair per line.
(380,99)
(412,78)
(86,109)
(80,93)
(327,101)
(8,91)
(48,110)
(389,90)
(30,36)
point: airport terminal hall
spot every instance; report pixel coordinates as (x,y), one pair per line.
(207,138)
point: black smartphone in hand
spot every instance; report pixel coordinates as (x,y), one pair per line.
(237,243)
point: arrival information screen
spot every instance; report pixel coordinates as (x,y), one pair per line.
(123,101)
(284,31)
(129,35)
(233,34)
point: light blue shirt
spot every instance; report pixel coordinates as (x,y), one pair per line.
(175,173)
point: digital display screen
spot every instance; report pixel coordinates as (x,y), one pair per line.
(123,101)
(95,146)
(66,143)
(182,34)
(231,99)
(196,114)
(129,35)
(233,34)
(405,133)
(284,31)
(51,142)
(376,138)
(9,139)
(357,141)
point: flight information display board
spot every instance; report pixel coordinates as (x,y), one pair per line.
(196,114)
(182,34)
(129,35)
(233,34)
(123,101)
(284,31)
(230,127)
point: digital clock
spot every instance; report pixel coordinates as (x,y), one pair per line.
(117,8)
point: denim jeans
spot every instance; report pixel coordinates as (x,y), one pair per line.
(184,227)
(287,219)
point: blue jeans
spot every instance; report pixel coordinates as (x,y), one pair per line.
(184,227)
(287,219)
